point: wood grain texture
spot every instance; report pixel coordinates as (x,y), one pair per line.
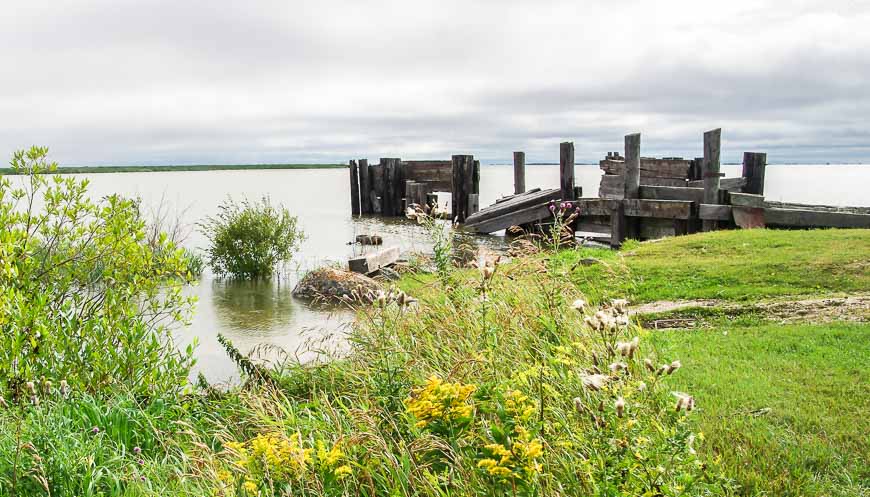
(566,170)
(519,172)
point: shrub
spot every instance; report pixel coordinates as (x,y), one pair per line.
(250,239)
(84,297)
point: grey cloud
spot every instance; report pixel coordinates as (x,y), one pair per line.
(198,82)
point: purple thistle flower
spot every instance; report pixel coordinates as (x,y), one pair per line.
(137,450)
(552,208)
(141,462)
(95,430)
(568,205)
(143,478)
(562,205)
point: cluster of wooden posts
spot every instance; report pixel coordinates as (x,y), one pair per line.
(391,186)
(639,197)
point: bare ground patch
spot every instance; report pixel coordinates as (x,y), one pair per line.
(692,313)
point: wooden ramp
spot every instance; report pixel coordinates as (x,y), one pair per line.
(528,207)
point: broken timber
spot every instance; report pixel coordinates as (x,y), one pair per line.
(370,263)
(638,197)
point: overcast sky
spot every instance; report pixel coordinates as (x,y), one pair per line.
(174,82)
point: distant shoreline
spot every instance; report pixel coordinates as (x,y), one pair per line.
(158,169)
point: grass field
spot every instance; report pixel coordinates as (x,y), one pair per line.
(482,389)
(784,407)
(155,169)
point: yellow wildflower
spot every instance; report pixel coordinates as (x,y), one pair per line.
(250,486)
(343,471)
(440,402)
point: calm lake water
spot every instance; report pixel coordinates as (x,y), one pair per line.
(267,313)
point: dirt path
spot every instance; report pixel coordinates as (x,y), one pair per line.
(851,308)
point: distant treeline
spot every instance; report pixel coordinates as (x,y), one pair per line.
(150,169)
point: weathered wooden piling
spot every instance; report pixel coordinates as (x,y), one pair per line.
(463,185)
(710,173)
(566,170)
(354,189)
(519,172)
(365,187)
(631,186)
(391,198)
(754,164)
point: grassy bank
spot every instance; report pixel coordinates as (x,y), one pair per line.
(497,383)
(170,168)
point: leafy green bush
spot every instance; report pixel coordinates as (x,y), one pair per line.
(84,297)
(250,239)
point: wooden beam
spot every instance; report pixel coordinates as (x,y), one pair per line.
(365,188)
(798,218)
(671,193)
(516,217)
(631,183)
(519,172)
(517,202)
(566,170)
(666,209)
(595,206)
(754,164)
(370,263)
(710,171)
(354,189)
(730,184)
(746,200)
(714,212)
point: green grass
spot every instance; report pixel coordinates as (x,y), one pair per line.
(194,167)
(739,265)
(812,378)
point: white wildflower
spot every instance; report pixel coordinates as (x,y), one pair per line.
(579,305)
(595,381)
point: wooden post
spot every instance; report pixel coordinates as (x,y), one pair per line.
(463,179)
(387,206)
(399,188)
(519,172)
(754,164)
(473,203)
(475,178)
(354,189)
(566,170)
(617,224)
(631,182)
(710,172)
(365,188)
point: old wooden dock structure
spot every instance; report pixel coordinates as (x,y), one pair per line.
(638,197)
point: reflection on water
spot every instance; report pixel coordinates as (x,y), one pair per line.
(254,313)
(262,308)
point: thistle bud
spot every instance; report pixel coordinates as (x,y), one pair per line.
(578,405)
(674,366)
(579,305)
(649,365)
(620,407)
(31,387)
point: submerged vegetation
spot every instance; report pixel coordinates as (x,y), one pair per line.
(249,240)
(530,377)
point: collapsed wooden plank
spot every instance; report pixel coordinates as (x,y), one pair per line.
(520,216)
(370,263)
(666,209)
(516,203)
(714,212)
(828,208)
(518,195)
(595,206)
(805,218)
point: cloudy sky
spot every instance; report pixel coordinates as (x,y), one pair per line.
(173,82)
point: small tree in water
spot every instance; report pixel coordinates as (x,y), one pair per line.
(250,239)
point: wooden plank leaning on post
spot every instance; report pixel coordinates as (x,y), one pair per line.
(519,172)
(710,173)
(370,263)
(463,180)
(354,188)
(754,164)
(365,188)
